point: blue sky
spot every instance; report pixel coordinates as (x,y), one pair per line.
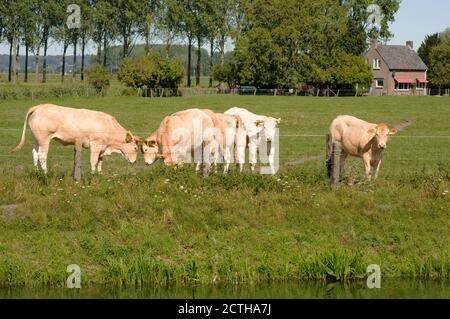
(418,18)
(414,20)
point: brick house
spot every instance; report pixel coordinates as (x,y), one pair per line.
(397,70)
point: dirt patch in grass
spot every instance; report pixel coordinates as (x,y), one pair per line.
(404,124)
(7,211)
(304,159)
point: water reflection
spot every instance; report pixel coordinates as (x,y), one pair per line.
(392,288)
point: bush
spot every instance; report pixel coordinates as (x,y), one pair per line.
(98,78)
(225,73)
(151,71)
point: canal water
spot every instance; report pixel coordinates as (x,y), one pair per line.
(392,288)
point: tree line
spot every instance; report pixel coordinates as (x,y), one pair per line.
(277,42)
(435,53)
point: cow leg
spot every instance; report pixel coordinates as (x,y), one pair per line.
(342,162)
(376,168)
(35,152)
(227,159)
(95,157)
(42,156)
(99,164)
(367,166)
(253,148)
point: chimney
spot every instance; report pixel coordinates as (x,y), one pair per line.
(373,43)
(410,44)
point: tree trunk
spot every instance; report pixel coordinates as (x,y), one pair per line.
(99,52)
(211,50)
(26,63)
(63,67)
(189,62)
(126,40)
(14,60)
(44,62)
(83,45)
(17,61)
(148,22)
(10,60)
(37,58)
(74,66)
(104,51)
(197,72)
(222,50)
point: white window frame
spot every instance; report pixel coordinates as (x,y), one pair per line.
(406,86)
(376,64)
(420,85)
(377,83)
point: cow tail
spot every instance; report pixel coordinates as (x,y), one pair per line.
(329,158)
(239,126)
(22,140)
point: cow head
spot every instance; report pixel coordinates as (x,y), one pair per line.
(268,124)
(130,147)
(150,150)
(381,133)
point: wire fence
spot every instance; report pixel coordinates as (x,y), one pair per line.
(252,90)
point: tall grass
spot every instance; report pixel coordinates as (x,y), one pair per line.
(137,225)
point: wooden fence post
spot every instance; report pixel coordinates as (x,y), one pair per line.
(335,164)
(77,161)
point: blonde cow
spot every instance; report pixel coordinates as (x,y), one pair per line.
(179,136)
(98,131)
(229,136)
(361,139)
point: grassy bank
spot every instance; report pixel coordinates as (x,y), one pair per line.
(136,225)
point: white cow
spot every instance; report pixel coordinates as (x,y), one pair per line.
(256,126)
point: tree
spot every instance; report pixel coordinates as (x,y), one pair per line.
(169,23)
(127,16)
(151,71)
(50,9)
(438,44)
(355,40)
(98,77)
(425,48)
(440,65)
(147,19)
(12,12)
(104,28)
(225,73)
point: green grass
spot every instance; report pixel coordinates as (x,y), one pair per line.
(138,225)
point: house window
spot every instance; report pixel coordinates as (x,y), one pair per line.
(420,85)
(376,64)
(379,83)
(402,86)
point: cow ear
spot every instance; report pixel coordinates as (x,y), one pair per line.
(137,139)
(150,143)
(392,131)
(259,123)
(129,137)
(373,130)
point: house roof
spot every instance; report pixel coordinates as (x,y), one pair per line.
(401,57)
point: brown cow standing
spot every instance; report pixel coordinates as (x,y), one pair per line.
(98,131)
(361,139)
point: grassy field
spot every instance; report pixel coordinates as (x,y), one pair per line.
(136,225)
